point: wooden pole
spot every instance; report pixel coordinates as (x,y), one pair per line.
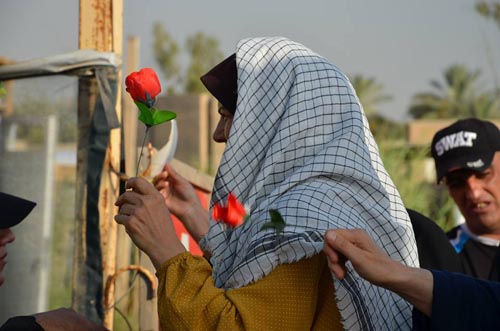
(130,112)
(101,29)
(87,91)
(204,128)
(124,245)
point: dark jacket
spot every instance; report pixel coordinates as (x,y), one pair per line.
(434,249)
(461,303)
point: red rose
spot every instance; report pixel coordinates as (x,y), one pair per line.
(143,86)
(233,215)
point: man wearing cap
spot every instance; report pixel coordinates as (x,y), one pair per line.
(467,158)
(14,210)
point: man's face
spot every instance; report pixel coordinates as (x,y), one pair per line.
(6,237)
(477,194)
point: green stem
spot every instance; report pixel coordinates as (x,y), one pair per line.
(142,149)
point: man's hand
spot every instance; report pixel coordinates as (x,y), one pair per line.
(370,262)
(366,257)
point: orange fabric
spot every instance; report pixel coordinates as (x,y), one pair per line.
(189,243)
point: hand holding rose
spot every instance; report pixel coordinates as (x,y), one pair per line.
(146,218)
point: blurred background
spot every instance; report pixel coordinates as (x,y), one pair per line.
(416,67)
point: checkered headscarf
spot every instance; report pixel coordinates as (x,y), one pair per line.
(300,144)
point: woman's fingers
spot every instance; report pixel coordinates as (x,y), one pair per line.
(129,197)
(122,219)
(140,185)
(160,178)
(164,181)
(171,172)
(125,211)
(141,194)
(168,173)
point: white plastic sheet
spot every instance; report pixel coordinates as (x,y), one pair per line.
(79,63)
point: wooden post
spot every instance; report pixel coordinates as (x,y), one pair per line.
(130,112)
(124,245)
(204,127)
(87,91)
(148,312)
(101,26)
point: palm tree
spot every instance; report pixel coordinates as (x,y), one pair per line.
(370,93)
(485,105)
(489,10)
(457,97)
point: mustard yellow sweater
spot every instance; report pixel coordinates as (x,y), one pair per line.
(297,296)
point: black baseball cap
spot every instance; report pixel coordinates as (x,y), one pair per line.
(14,210)
(221,81)
(466,144)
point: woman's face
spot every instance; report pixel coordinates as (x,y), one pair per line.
(223,128)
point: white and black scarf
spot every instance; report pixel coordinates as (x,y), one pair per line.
(300,144)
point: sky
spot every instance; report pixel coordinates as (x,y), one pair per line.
(402,44)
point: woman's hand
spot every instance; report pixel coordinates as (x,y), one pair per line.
(182,201)
(147,221)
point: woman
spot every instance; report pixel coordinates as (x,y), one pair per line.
(298,143)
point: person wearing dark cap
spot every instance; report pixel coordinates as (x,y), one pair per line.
(296,143)
(467,159)
(14,210)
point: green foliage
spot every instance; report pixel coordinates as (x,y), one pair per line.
(370,94)
(489,10)
(36,107)
(203,52)
(152,116)
(3,91)
(407,166)
(457,97)
(277,222)
(384,129)
(166,51)
(61,255)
